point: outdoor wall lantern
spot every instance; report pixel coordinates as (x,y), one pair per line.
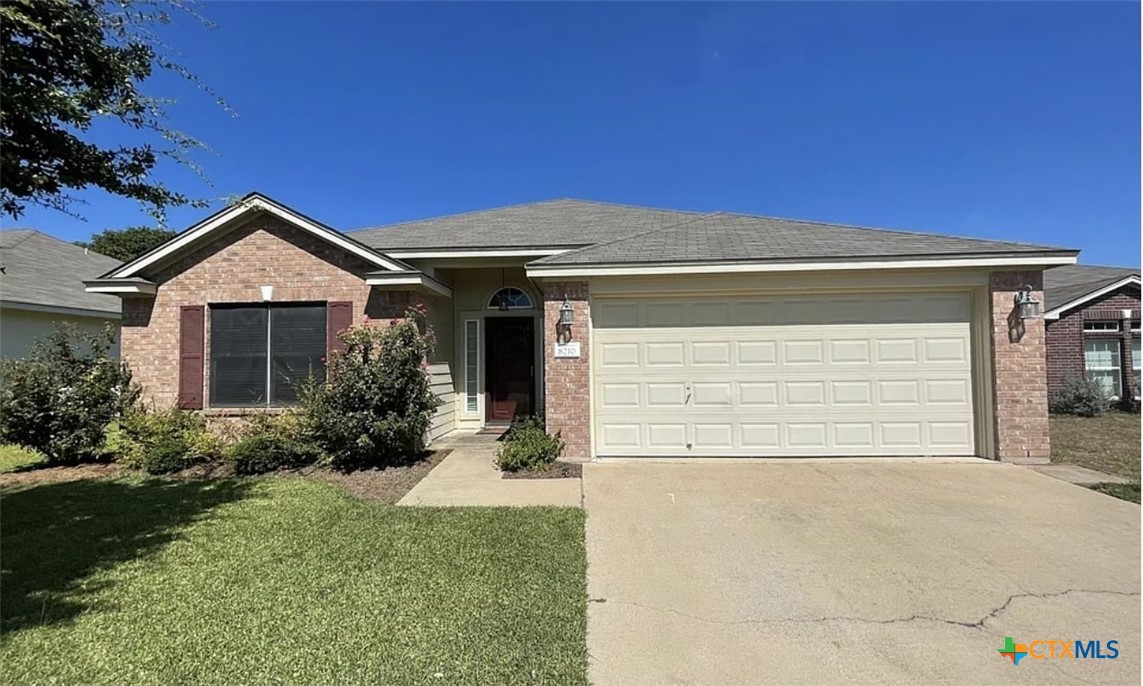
(566,318)
(1027,307)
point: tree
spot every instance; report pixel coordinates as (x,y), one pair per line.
(66,65)
(127,244)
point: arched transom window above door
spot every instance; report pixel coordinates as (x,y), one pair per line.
(510,298)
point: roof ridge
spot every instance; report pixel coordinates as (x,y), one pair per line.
(601,244)
(455,214)
(633,206)
(907,232)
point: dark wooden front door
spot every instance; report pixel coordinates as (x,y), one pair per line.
(510,358)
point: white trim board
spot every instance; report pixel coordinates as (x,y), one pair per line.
(255,203)
(544,271)
(56,309)
(410,279)
(1055,312)
(124,289)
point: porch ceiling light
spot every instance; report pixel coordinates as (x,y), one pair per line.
(1027,307)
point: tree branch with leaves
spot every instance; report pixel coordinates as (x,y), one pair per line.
(66,65)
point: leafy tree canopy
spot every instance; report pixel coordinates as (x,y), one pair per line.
(127,244)
(66,65)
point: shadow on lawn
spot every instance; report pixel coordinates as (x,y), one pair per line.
(54,536)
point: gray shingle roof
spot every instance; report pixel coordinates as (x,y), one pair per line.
(1071,282)
(725,237)
(605,233)
(547,224)
(41,270)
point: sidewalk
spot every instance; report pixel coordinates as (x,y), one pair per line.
(468,477)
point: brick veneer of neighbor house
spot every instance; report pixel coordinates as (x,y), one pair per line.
(1019,363)
(567,380)
(264,252)
(1066,337)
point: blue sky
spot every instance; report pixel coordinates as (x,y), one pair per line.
(1015,121)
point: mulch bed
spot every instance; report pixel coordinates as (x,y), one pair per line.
(379,485)
(558,470)
(376,485)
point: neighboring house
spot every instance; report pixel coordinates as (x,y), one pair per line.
(1092,318)
(41,285)
(690,334)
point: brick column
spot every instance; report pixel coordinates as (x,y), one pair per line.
(1020,386)
(567,380)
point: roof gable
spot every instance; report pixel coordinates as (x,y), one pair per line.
(1070,286)
(201,233)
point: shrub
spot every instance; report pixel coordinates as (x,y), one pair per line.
(1080,395)
(375,406)
(274,442)
(528,447)
(165,441)
(60,399)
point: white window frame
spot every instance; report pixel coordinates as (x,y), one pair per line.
(472,385)
(1101,325)
(1116,389)
(531,302)
(1136,367)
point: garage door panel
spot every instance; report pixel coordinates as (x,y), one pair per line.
(859,375)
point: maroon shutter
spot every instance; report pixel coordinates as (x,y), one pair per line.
(191,334)
(338,318)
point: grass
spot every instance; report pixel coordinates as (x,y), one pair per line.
(1108,444)
(280,580)
(13,458)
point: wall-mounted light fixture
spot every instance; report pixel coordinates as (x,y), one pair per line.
(567,317)
(1027,307)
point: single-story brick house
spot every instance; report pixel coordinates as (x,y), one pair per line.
(637,331)
(1092,318)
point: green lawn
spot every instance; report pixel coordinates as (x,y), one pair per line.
(1107,444)
(14,458)
(284,580)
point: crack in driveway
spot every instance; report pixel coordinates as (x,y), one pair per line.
(978,625)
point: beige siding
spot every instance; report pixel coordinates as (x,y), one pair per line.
(444,420)
(20,328)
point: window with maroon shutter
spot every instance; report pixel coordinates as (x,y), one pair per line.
(260,355)
(191,335)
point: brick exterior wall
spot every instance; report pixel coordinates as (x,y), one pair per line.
(1019,364)
(567,380)
(264,252)
(1066,336)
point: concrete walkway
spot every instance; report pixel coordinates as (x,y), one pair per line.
(469,477)
(1081,476)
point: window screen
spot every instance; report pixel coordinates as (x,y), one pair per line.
(260,354)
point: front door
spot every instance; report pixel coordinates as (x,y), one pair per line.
(509,368)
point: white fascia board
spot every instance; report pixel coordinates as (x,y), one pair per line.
(1055,312)
(555,271)
(416,280)
(124,289)
(491,252)
(55,309)
(230,214)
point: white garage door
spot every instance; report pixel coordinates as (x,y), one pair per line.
(793,376)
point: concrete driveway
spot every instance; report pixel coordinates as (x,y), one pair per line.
(885,572)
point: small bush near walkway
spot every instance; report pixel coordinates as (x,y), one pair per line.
(1081,396)
(526,445)
(61,398)
(375,408)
